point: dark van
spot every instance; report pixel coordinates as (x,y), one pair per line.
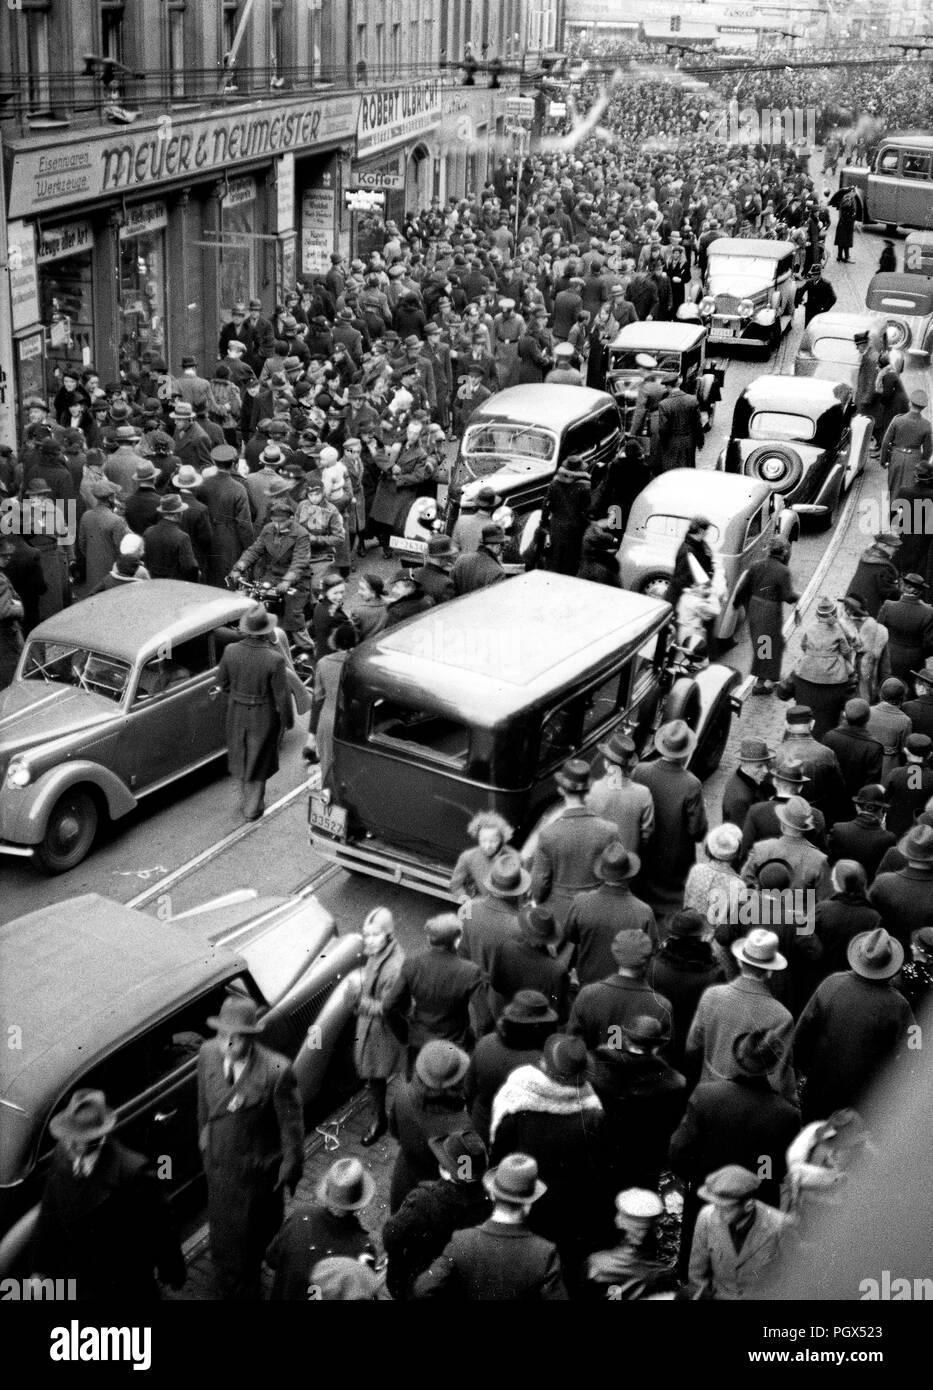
(475,704)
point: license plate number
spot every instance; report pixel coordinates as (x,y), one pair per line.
(332,820)
(408,545)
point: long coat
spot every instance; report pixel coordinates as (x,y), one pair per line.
(680,430)
(100,532)
(376,1049)
(910,634)
(860,756)
(682,971)
(680,822)
(493,1061)
(742,1006)
(596,916)
(566,517)
(764,589)
(716,1270)
(565,858)
(875,579)
(259,707)
(432,997)
(110,1231)
(424,1223)
(741,1121)
(251,1137)
(413,1120)
(643,1099)
(327,677)
(394,496)
(601,1009)
(227,501)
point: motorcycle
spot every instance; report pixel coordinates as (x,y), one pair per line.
(301,658)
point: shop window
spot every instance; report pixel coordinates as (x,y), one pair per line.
(34,51)
(66,299)
(142,298)
(277,56)
(238,245)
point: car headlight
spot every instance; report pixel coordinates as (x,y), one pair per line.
(707,304)
(18,775)
(746,309)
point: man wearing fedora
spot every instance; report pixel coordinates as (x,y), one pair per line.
(920,710)
(100,532)
(865,838)
(228,503)
(860,756)
(825,789)
(908,788)
(614,796)
(437,994)
(482,567)
(168,551)
(569,847)
(501,1260)
(603,1008)
(597,915)
(809,866)
(434,574)
(329,1227)
(492,918)
(876,576)
(142,506)
(750,783)
(680,816)
(909,621)
(853,1032)
(124,460)
(737,1237)
(195,520)
(468,532)
(742,1005)
(643,1097)
(259,707)
(191,443)
(251,1137)
(456,1200)
(904,897)
(527,961)
(916,978)
(103,1220)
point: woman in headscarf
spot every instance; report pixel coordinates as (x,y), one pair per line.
(763,590)
(377,1052)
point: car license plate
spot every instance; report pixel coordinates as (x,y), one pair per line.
(332,820)
(408,545)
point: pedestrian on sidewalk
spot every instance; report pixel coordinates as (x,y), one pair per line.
(330,1227)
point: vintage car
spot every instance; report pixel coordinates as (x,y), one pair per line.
(119,1001)
(803,438)
(918,253)
(897,189)
(476,704)
(749,291)
(678,348)
(827,348)
(906,301)
(111,702)
(515,441)
(745,516)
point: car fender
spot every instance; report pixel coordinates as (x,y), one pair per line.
(715,684)
(859,442)
(788,526)
(24,812)
(833,483)
(314,1056)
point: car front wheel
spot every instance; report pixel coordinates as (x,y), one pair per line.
(69,832)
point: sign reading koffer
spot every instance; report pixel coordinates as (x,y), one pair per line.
(395,113)
(59,176)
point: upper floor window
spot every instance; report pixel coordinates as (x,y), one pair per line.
(33,27)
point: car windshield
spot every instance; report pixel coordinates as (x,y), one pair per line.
(779,424)
(627,360)
(674,528)
(500,440)
(740,267)
(64,663)
(836,350)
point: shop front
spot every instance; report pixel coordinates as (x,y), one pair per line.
(397,155)
(135,245)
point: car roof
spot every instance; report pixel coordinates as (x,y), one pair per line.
(666,337)
(750,246)
(839,324)
(918,289)
(87,973)
(503,649)
(719,495)
(795,393)
(552,406)
(135,619)
(923,138)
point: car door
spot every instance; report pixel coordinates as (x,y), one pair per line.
(914,188)
(173,724)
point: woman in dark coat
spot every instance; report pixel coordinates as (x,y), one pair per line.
(763,590)
(693,561)
(534,355)
(891,399)
(599,553)
(329,612)
(845,226)
(522,1029)
(615,487)
(430,1105)
(259,706)
(38,525)
(377,1052)
(402,470)
(566,515)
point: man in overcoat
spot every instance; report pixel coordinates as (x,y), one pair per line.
(227,501)
(259,708)
(680,429)
(251,1136)
(680,817)
(568,849)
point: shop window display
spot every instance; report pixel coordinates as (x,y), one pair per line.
(65,289)
(142,298)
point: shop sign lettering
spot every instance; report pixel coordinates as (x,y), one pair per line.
(395,113)
(56,243)
(24,279)
(144,217)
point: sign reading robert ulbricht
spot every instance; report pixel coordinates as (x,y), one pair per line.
(390,114)
(112,163)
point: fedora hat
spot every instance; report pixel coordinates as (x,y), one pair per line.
(346,1185)
(487,498)
(184,410)
(462,1154)
(172,505)
(724,841)
(529,1006)
(236,1015)
(257,621)
(646,1031)
(119,410)
(917,845)
(146,472)
(874,954)
(795,813)
(758,1052)
(873,794)
(619,748)
(86,1116)
(731,1183)
(537,924)
(187,477)
(515,1180)
(442,548)
(507,876)
(913,581)
(788,769)
(440,1065)
(126,434)
(37,487)
(574,776)
(616,864)
(675,740)
(565,1059)
(925,673)
(799,714)
(759,948)
(755,750)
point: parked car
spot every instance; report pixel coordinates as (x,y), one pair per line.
(745,516)
(476,705)
(118,1001)
(803,438)
(749,291)
(918,253)
(678,348)
(906,301)
(110,702)
(516,440)
(898,187)
(827,348)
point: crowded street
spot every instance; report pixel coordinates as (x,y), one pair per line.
(466,687)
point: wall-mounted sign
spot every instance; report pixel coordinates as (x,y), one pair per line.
(391,114)
(364,199)
(238,192)
(556,109)
(318,206)
(143,218)
(55,243)
(377,178)
(285,194)
(30,348)
(519,109)
(73,170)
(24,279)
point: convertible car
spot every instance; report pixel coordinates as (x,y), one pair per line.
(801,437)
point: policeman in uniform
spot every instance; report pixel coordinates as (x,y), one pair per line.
(908,440)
